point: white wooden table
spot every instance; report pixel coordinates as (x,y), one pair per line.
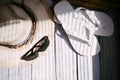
(61,64)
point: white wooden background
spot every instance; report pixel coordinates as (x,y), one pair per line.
(60,64)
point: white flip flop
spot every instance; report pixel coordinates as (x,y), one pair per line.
(104,24)
(79,28)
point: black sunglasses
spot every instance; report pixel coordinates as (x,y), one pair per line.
(40,46)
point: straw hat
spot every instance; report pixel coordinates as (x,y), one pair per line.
(25,32)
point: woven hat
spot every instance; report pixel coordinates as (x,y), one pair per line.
(25,32)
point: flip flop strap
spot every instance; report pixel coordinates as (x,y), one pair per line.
(82,10)
(91,29)
(72,34)
(66,38)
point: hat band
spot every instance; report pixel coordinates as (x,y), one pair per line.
(32,32)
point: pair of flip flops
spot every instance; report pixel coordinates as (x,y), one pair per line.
(81,25)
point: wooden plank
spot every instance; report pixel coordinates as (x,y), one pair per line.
(13,74)
(66,68)
(25,73)
(4,73)
(96,67)
(85,68)
(108,59)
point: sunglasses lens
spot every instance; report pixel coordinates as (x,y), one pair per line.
(44,46)
(30,56)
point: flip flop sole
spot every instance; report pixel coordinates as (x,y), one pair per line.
(104,23)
